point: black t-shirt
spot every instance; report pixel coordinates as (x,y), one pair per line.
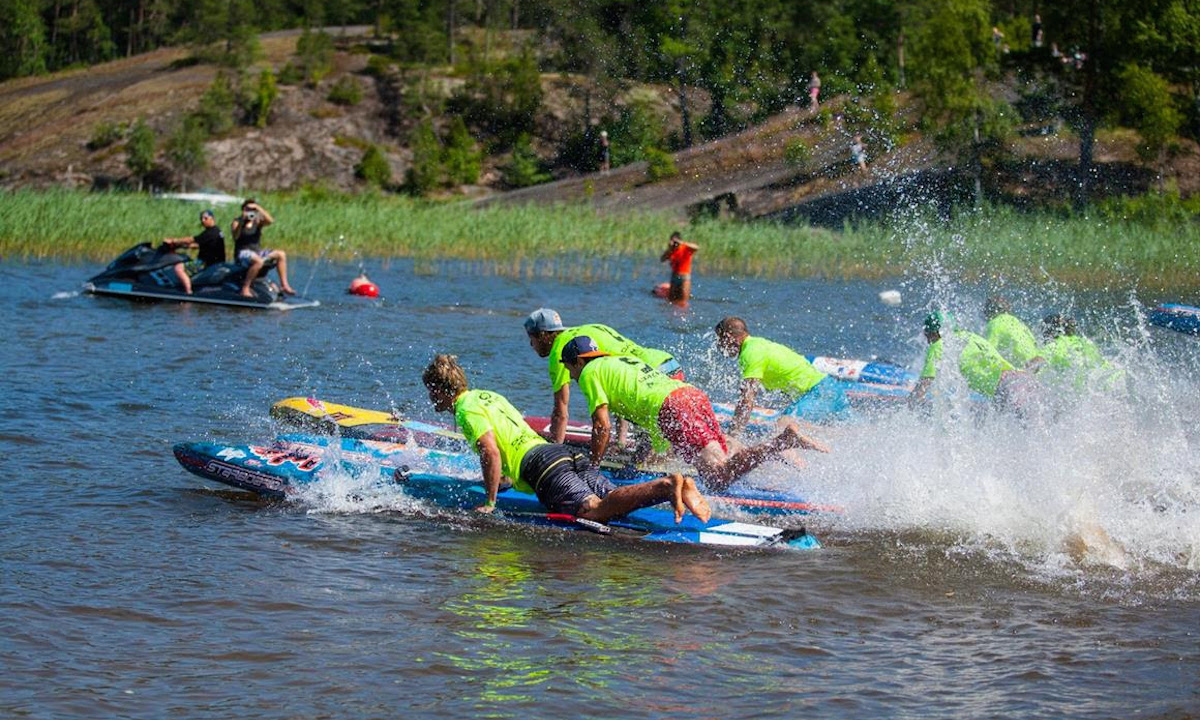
(247,239)
(212,246)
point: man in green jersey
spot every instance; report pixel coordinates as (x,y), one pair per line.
(817,396)
(547,336)
(678,416)
(559,475)
(1070,357)
(1011,337)
(981,365)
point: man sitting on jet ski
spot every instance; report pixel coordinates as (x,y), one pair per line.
(247,238)
(211,244)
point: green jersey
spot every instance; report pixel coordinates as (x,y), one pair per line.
(477,412)
(1012,338)
(1067,352)
(980,363)
(1074,359)
(631,389)
(608,340)
(777,367)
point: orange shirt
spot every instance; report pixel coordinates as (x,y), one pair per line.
(681,259)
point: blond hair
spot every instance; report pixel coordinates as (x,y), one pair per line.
(444,373)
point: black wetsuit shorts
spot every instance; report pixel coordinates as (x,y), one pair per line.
(562,477)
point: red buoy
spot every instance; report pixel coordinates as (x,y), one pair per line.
(363,287)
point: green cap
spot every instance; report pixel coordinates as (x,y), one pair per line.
(936,320)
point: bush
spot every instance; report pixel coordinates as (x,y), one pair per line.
(462,158)
(264,97)
(216,106)
(426,170)
(501,99)
(140,149)
(660,164)
(104,134)
(374,168)
(290,74)
(314,51)
(346,91)
(185,148)
(796,153)
(637,128)
(1148,107)
(377,66)
(525,167)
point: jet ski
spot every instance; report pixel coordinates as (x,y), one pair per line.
(148,273)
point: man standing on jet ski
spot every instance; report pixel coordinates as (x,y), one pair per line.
(247,239)
(211,244)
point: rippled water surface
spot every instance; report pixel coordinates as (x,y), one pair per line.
(981,566)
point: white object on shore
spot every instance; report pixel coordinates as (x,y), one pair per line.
(890,297)
(208,198)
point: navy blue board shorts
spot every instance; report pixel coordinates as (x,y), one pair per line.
(562,477)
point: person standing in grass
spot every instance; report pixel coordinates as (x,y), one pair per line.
(559,475)
(679,254)
(678,417)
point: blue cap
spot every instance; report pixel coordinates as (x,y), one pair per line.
(580,347)
(206,213)
(543,320)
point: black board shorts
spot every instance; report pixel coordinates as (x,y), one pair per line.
(562,477)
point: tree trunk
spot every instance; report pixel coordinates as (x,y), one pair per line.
(450,28)
(685,112)
(1087,130)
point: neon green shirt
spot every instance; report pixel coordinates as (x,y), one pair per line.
(1074,359)
(631,389)
(980,363)
(777,367)
(477,412)
(1073,351)
(608,340)
(1012,338)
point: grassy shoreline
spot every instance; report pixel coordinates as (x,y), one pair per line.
(1161,253)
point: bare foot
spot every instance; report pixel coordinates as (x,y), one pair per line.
(677,496)
(246,293)
(791,438)
(695,501)
(287,290)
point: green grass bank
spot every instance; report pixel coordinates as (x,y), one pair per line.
(1154,242)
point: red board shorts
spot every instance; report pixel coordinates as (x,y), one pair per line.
(687,421)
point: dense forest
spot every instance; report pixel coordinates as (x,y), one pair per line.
(977,66)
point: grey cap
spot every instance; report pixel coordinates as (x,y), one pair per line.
(543,320)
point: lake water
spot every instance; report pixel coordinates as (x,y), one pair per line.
(981,567)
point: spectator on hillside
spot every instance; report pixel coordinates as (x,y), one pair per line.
(858,153)
(605,153)
(1037,30)
(814,90)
